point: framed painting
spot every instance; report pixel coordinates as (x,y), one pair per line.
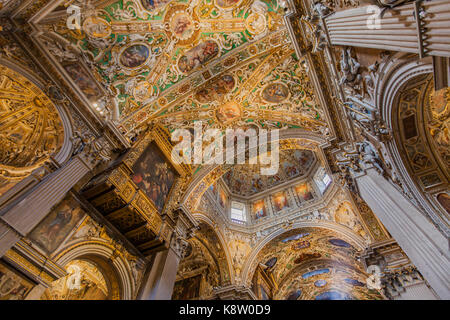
(259,209)
(81,77)
(279,201)
(188,288)
(154,175)
(57,225)
(13,286)
(304,192)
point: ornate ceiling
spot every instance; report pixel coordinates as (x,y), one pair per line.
(315,263)
(227,63)
(246,180)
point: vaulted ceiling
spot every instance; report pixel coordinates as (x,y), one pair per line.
(226,63)
(247,180)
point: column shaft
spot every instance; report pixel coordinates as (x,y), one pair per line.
(417,236)
(161,280)
(22,217)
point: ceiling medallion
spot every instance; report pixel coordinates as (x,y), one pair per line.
(96,27)
(143,91)
(255,23)
(228,112)
(181,24)
(152,5)
(134,56)
(275,92)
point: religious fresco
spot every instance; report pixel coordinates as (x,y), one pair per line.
(194,35)
(339,243)
(154,175)
(134,56)
(246,180)
(354,282)
(151,5)
(57,225)
(223,198)
(84,81)
(295,237)
(304,191)
(215,90)
(182,27)
(299,246)
(314,273)
(13,286)
(198,55)
(275,93)
(259,209)
(188,288)
(279,201)
(327,280)
(320,283)
(444,200)
(84,281)
(228,112)
(332,295)
(294,295)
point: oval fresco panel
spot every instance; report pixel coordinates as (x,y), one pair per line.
(315,273)
(182,26)
(198,55)
(339,243)
(295,237)
(275,92)
(150,5)
(354,282)
(332,295)
(320,283)
(134,56)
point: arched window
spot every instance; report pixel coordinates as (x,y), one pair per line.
(322,179)
(238,212)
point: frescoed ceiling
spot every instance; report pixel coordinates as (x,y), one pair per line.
(315,263)
(227,63)
(246,180)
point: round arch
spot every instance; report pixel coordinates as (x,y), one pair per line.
(401,73)
(47,127)
(201,217)
(347,234)
(288,139)
(115,267)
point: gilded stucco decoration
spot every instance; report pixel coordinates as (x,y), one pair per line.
(314,261)
(180,61)
(203,267)
(84,281)
(30,129)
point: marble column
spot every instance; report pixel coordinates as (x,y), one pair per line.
(19,218)
(161,279)
(416,292)
(398,30)
(425,246)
